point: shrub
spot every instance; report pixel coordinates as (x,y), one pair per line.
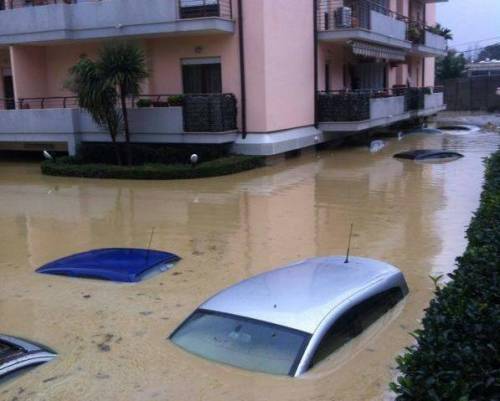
(144,103)
(457,355)
(72,167)
(176,100)
(104,153)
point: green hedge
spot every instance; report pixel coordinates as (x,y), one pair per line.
(104,153)
(72,167)
(457,355)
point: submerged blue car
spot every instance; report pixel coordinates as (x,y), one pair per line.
(114,264)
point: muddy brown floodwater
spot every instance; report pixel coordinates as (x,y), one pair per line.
(111,338)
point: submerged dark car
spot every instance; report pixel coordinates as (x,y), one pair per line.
(428,154)
(17,354)
(113,264)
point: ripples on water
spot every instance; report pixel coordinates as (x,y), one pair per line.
(229,228)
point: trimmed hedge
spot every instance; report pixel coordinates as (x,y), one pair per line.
(457,355)
(71,167)
(104,153)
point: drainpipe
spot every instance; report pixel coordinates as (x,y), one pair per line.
(315,46)
(242,71)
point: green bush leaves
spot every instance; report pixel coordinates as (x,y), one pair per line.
(457,355)
(71,167)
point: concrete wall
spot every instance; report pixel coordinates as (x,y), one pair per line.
(433,101)
(99,20)
(387,26)
(70,125)
(387,107)
(69,121)
(435,41)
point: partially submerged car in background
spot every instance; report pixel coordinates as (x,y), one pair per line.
(114,264)
(17,354)
(429,155)
(286,321)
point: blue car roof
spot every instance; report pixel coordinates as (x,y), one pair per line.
(115,264)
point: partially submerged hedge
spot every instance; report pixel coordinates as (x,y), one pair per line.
(71,167)
(457,355)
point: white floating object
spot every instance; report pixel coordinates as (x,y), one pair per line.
(376,146)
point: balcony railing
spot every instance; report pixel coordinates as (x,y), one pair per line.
(205,8)
(201,112)
(354,14)
(187,8)
(347,106)
(342,14)
(33,3)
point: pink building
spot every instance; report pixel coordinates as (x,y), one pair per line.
(267,76)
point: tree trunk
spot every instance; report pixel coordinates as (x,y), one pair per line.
(125,126)
(117,149)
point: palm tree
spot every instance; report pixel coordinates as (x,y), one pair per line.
(444,32)
(122,66)
(96,97)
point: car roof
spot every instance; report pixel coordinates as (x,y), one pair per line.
(116,264)
(26,346)
(300,295)
(425,153)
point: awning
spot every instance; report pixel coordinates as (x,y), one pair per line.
(377,51)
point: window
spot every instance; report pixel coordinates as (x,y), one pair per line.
(355,321)
(8,351)
(202,75)
(241,342)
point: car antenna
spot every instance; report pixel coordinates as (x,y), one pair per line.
(349,246)
(149,244)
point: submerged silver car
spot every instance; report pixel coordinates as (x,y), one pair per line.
(17,354)
(288,320)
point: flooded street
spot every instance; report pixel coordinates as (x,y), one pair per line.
(111,338)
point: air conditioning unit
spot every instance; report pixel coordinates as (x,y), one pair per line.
(343,17)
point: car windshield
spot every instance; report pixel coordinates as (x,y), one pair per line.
(241,342)
(7,351)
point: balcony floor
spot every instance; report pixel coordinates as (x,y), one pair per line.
(365,35)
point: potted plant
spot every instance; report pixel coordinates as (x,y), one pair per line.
(176,101)
(143,103)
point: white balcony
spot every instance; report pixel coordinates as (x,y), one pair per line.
(63,128)
(433,45)
(433,104)
(110,19)
(364,22)
(368,112)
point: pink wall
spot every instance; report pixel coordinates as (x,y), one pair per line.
(255,65)
(335,55)
(166,56)
(279,64)
(289,64)
(30,77)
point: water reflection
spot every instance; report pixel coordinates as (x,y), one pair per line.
(226,229)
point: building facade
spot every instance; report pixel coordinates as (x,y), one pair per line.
(265,76)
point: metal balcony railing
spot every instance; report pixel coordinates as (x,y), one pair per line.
(345,106)
(9,4)
(213,112)
(186,8)
(205,8)
(342,14)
